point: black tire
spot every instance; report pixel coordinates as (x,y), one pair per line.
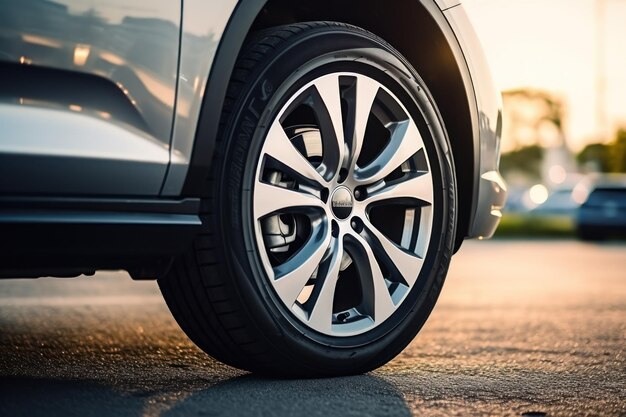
(217,291)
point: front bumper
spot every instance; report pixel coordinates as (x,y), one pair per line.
(489,191)
(491,199)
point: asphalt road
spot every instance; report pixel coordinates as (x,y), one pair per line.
(521,327)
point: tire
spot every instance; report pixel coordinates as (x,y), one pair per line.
(226,293)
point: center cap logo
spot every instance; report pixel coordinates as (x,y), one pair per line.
(341,203)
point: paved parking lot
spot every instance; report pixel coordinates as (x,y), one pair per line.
(521,327)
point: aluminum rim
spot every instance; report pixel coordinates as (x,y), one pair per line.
(343,204)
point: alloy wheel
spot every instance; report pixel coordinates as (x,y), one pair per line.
(343,204)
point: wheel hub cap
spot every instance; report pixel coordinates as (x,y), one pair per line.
(341,203)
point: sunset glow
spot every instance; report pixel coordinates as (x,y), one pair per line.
(553,46)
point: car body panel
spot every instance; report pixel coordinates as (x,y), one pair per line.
(117,159)
(199,45)
(108,45)
(604,206)
(446,4)
(489,187)
(603,215)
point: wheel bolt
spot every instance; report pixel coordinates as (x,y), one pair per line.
(357,193)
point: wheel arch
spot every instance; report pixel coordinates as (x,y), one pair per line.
(422,35)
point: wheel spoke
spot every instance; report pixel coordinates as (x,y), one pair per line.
(326,232)
(279,147)
(332,136)
(381,305)
(271,198)
(366,90)
(322,312)
(407,263)
(417,186)
(291,276)
(404,143)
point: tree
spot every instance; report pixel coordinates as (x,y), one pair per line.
(594,158)
(532,117)
(533,137)
(618,152)
(600,157)
(525,161)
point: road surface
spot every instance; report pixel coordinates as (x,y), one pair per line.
(522,328)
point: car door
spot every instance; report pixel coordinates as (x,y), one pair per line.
(87,95)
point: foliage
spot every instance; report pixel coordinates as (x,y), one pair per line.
(532,117)
(595,156)
(618,152)
(606,157)
(526,160)
(525,225)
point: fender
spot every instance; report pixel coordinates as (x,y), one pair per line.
(234,35)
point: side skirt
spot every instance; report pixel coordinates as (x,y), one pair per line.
(74,236)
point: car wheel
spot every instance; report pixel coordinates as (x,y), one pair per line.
(331,220)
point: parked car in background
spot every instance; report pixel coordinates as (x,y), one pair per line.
(295,174)
(602,213)
(560,201)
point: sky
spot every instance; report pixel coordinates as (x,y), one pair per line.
(553,45)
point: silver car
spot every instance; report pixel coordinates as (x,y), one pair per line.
(295,174)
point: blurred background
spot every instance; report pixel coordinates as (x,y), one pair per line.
(531,323)
(562,71)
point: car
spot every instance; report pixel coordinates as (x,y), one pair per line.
(602,213)
(560,202)
(295,175)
